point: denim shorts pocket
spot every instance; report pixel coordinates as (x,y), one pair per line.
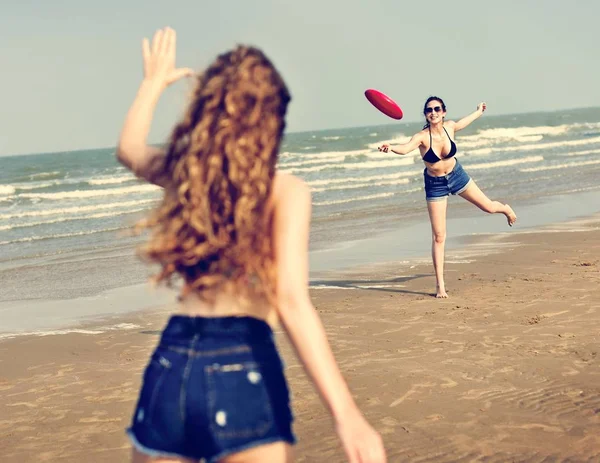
(238,401)
(154,375)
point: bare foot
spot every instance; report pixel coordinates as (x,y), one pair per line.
(441,293)
(510,215)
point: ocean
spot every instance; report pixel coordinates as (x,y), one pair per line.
(64,216)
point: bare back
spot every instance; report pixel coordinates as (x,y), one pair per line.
(287,233)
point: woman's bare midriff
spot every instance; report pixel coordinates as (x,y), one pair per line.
(440,168)
(226,304)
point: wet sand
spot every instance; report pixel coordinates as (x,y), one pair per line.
(507,369)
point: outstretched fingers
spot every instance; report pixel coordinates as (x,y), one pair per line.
(156,41)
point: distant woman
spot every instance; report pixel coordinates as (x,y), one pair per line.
(444,176)
(214,389)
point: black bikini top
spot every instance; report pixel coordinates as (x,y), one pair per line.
(431,157)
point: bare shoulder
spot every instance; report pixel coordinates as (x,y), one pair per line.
(450,124)
(288,188)
(292,207)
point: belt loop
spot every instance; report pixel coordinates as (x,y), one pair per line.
(191,348)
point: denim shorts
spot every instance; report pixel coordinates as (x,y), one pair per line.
(454,183)
(212,387)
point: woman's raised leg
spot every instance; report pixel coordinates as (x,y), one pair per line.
(474,195)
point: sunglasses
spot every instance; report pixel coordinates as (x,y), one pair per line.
(437,109)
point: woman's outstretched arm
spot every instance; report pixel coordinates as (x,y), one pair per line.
(465,121)
(303,325)
(133,150)
(403,148)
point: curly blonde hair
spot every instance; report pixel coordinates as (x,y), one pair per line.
(211,227)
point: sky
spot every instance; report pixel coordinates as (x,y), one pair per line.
(70,68)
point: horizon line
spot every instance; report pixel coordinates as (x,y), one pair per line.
(307,131)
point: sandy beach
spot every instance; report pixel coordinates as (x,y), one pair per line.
(109,108)
(507,369)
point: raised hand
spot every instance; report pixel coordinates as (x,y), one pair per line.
(481,107)
(159,59)
(384,148)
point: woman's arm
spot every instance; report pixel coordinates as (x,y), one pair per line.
(303,325)
(465,121)
(404,148)
(133,150)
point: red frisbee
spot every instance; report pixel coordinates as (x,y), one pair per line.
(384,103)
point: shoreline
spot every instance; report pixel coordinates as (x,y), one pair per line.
(404,246)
